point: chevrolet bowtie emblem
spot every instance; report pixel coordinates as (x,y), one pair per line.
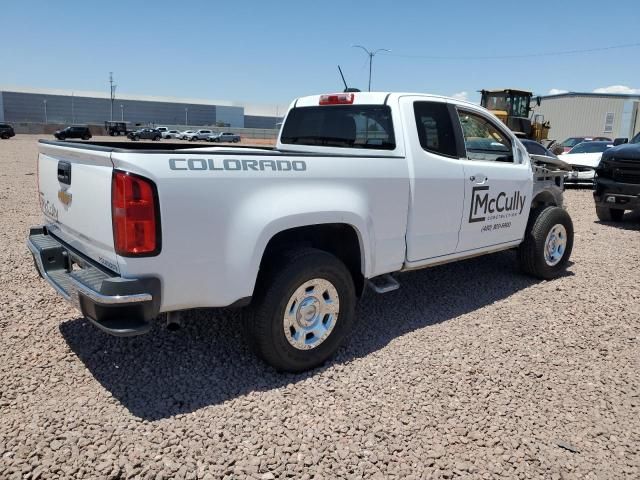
(64,197)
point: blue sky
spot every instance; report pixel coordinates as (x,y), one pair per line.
(271,52)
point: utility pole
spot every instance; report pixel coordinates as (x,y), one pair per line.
(112,92)
(122,113)
(46,120)
(73,116)
(186,116)
(371,54)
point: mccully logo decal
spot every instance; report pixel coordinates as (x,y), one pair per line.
(483,203)
(232,164)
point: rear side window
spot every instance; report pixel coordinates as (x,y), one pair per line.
(435,128)
(346,126)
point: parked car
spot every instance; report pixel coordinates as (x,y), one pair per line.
(116,128)
(198,135)
(171,134)
(224,137)
(571,142)
(535,148)
(74,131)
(584,158)
(145,133)
(162,129)
(617,184)
(6,131)
(349,207)
(184,134)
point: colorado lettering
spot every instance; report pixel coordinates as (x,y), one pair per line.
(233,164)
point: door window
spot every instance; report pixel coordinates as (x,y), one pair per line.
(483,140)
(435,128)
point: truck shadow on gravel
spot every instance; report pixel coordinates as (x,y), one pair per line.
(207,362)
(630,221)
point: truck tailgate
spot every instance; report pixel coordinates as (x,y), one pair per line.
(74,188)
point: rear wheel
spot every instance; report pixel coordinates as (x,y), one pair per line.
(4,136)
(156,138)
(547,244)
(302,310)
(236,140)
(136,137)
(609,214)
(86,137)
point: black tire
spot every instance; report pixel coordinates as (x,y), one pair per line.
(263,319)
(156,138)
(86,137)
(136,138)
(61,137)
(236,140)
(4,136)
(531,253)
(606,214)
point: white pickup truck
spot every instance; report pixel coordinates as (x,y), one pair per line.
(359,186)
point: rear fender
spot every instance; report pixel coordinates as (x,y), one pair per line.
(259,219)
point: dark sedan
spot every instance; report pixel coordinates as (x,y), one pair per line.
(6,131)
(145,133)
(535,148)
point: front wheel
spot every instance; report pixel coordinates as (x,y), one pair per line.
(606,214)
(302,310)
(547,244)
(156,138)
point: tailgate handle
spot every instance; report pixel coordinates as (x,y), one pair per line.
(64,172)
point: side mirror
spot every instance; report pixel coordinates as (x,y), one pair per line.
(620,141)
(538,100)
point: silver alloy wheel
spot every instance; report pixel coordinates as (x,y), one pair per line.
(555,245)
(311,314)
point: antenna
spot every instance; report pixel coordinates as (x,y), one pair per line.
(346,87)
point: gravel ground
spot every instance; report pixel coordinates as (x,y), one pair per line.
(469,370)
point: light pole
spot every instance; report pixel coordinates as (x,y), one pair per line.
(112,93)
(121,113)
(371,54)
(186,116)
(46,120)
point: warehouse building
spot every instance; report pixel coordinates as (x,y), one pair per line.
(574,114)
(29,105)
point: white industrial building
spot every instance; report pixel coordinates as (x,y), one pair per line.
(42,106)
(574,114)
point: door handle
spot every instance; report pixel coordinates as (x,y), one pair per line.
(479,179)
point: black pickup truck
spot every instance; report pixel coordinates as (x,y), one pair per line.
(617,184)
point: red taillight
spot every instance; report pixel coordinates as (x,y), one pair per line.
(136,228)
(337,99)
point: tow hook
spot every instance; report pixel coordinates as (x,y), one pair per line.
(174,321)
